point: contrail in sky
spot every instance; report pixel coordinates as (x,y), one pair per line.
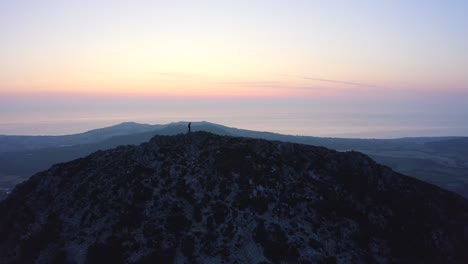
(333,81)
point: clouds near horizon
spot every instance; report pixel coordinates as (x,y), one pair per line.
(108,46)
(327,53)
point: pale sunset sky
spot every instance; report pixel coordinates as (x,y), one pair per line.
(324,68)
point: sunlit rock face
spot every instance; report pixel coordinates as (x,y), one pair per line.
(203,198)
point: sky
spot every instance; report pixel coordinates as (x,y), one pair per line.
(327,68)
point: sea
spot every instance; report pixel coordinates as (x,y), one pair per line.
(296,116)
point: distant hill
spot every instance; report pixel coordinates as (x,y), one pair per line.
(204,198)
(455,146)
(19,143)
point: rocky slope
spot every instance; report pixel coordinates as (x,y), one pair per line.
(202,198)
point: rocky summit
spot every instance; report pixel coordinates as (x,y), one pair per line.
(202,198)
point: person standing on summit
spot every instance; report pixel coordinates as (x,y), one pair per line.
(190,127)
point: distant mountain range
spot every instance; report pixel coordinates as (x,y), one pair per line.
(19,143)
(205,198)
(439,160)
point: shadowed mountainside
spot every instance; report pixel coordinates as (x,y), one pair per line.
(204,198)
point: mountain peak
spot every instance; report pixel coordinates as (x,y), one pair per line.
(199,197)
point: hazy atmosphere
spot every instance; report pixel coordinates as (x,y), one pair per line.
(241,131)
(326,68)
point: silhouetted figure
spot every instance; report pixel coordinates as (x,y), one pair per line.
(190,127)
